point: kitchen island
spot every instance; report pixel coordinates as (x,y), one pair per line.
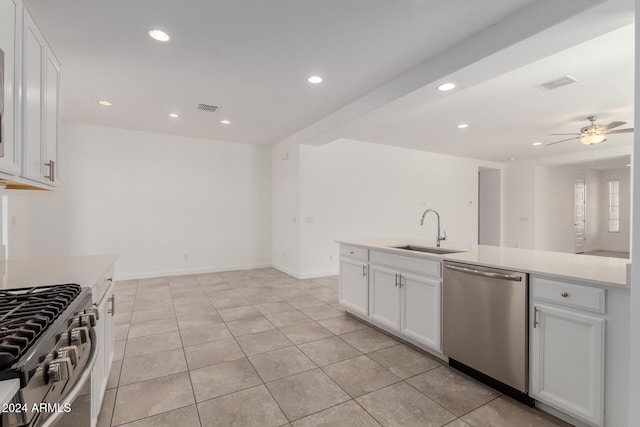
(577,306)
(602,271)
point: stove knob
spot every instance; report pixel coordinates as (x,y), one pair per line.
(94,310)
(88,320)
(59,370)
(79,335)
(69,351)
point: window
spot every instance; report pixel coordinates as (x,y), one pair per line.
(614,206)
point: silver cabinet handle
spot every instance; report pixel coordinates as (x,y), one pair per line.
(113,305)
(493,275)
(364,270)
(564,294)
(396,280)
(52,170)
(400,279)
(535,317)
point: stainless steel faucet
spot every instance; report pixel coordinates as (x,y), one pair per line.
(439,237)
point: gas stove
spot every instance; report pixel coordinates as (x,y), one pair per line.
(47,342)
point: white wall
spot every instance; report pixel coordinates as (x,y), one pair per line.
(152,198)
(616,241)
(533,198)
(489,206)
(519,204)
(554,220)
(351,189)
(285,249)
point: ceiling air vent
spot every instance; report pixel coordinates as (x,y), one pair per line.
(556,83)
(209,108)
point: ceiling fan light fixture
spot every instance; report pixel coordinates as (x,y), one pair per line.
(593,139)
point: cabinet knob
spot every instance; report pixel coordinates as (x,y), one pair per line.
(564,294)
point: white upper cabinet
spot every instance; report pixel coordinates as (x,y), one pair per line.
(9,83)
(41,102)
(29,102)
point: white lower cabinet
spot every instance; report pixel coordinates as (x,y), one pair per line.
(384,299)
(420,308)
(354,279)
(354,285)
(403,301)
(567,355)
(105,335)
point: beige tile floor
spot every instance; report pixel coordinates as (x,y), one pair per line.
(259,348)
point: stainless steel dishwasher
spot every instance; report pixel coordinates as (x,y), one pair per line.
(485,325)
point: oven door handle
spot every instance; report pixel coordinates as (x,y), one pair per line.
(79,385)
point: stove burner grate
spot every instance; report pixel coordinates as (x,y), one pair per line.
(26,313)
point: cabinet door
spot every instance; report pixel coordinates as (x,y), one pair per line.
(104,332)
(567,361)
(9,79)
(51,119)
(354,286)
(421,309)
(384,297)
(33,71)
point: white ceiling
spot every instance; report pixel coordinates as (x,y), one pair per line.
(380,61)
(508,113)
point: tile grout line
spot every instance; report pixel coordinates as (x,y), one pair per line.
(184,354)
(264,384)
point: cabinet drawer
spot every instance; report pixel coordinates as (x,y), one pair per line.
(569,294)
(354,252)
(99,289)
(423,267)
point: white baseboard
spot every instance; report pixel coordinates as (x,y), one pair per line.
(203,270)
(286,270)
(318,274)
(302,276)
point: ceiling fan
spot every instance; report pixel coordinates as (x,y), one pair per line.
(594,134)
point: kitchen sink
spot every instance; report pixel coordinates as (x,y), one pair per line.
(437,251)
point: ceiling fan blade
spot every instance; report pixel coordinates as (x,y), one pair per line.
(557,142)
(621,131)
(564,133)
(613,125)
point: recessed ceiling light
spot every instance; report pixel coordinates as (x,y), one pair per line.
(174,115)
(511,159)
(225,122)
(463,126)
(159,35)
(446,87)
(537,143)
(104,103)
(315,79)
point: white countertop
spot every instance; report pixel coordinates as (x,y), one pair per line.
(27,272)
(591,269)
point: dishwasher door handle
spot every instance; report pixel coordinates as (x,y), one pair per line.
(492,274)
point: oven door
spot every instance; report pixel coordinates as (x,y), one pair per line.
(76,403)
